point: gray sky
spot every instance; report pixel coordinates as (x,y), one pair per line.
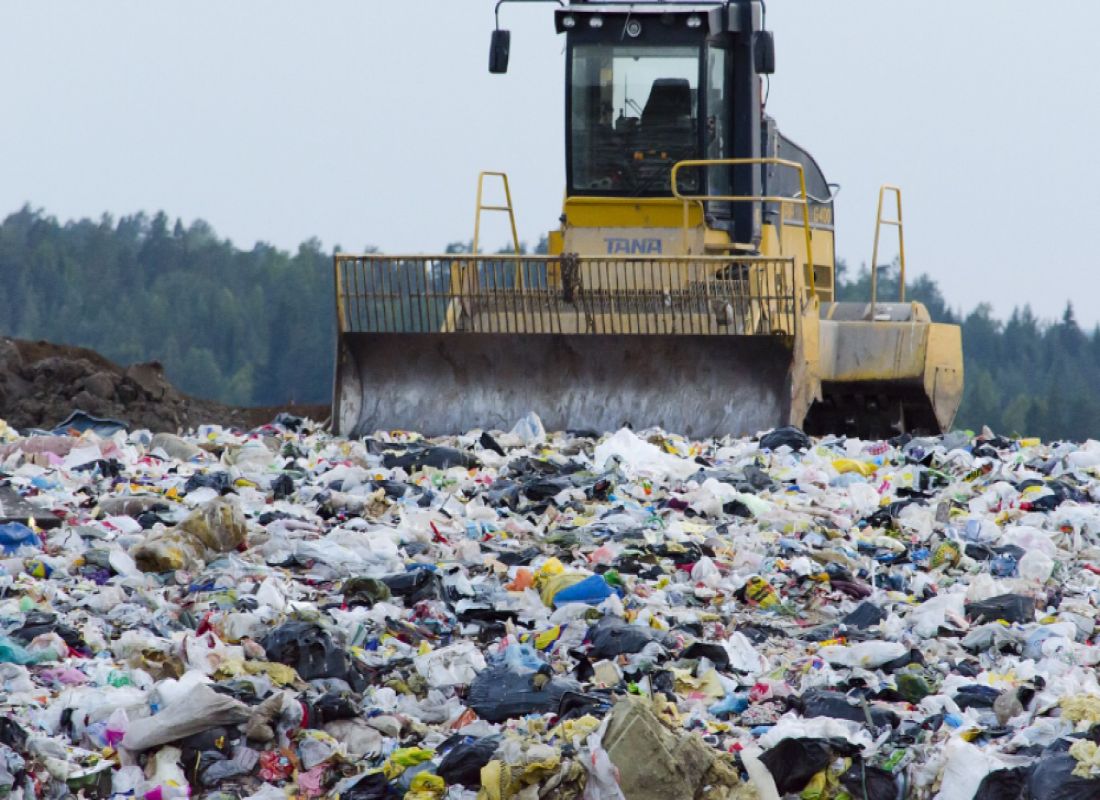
(365,122)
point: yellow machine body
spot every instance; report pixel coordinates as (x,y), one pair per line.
(645,310)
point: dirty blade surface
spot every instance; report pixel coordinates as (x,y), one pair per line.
(441,383)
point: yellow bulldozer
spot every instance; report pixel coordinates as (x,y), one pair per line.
(691,284)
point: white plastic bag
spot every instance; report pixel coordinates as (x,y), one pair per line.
(455,665)
(199,710)
(603,776)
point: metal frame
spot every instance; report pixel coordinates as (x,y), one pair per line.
(702,200)
(507,208)
(897,223)
(570,294)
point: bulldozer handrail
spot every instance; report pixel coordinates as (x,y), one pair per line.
(897,223)
(701,199)
(507,208)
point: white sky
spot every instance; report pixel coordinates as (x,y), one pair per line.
(365,122)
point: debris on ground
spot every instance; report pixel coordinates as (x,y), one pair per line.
(497,615)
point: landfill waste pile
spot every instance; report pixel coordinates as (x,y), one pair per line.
(41,382)
(285,613)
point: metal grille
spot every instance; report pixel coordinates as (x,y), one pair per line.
(703,295)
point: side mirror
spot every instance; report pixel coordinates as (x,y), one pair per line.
(498,51)
(765,53)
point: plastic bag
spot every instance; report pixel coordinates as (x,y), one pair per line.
(14,536)
(788,436)
(603,776)
(611,637)
(641,458)
(455,665)
(215,528)
(793,762)
(437,457)
(592,591)
(1052,778)
(863,654)
(498,694)
(201,709)
(307,648)
(870,783)
(1004,784)
(1009,607)
(1036,566)
(529,429)
(13,652)
(864,616)
(964,770)
(824,703)
(463,762)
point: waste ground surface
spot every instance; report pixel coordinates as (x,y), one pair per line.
(278,612)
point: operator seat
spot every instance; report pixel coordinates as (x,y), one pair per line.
(669,105)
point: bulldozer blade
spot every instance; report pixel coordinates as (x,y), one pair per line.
(445,383)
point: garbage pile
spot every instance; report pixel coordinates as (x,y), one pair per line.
(525,614)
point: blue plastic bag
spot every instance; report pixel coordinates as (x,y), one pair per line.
(14,535)
(593,590)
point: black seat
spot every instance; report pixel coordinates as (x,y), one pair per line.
(669,103)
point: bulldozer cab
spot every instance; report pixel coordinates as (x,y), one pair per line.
(690,285)
(652,85)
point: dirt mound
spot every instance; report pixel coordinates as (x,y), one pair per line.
(42,383)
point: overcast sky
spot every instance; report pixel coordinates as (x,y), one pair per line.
(366,122)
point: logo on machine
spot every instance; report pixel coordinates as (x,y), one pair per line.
(632,247)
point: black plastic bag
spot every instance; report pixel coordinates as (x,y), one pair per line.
(330,707)
(414,586)
(865,615)
(869,783)
(372,786)
(1004,784)
(823,703)
(36,623)
(575,704)
(288,421)
(1009,607)
(975,696)
(498,694)
(13,735)
(793,762)
(462,764)
(282,487)
(437,457)
(611,637)
(220,482)
(308,649)
(789,435)
(489,443)
(714,652)
(1053,779)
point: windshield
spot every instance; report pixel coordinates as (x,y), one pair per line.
(635,113)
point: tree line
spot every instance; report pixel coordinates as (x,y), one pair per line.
(256,326)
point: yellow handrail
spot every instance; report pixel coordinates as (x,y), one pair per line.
(508,208)
(803,200)
(897,223)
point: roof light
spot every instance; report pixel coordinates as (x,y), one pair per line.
(695,21)
(595,22)
(568,22)
(633,29)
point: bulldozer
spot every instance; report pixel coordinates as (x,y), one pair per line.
(690,285)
